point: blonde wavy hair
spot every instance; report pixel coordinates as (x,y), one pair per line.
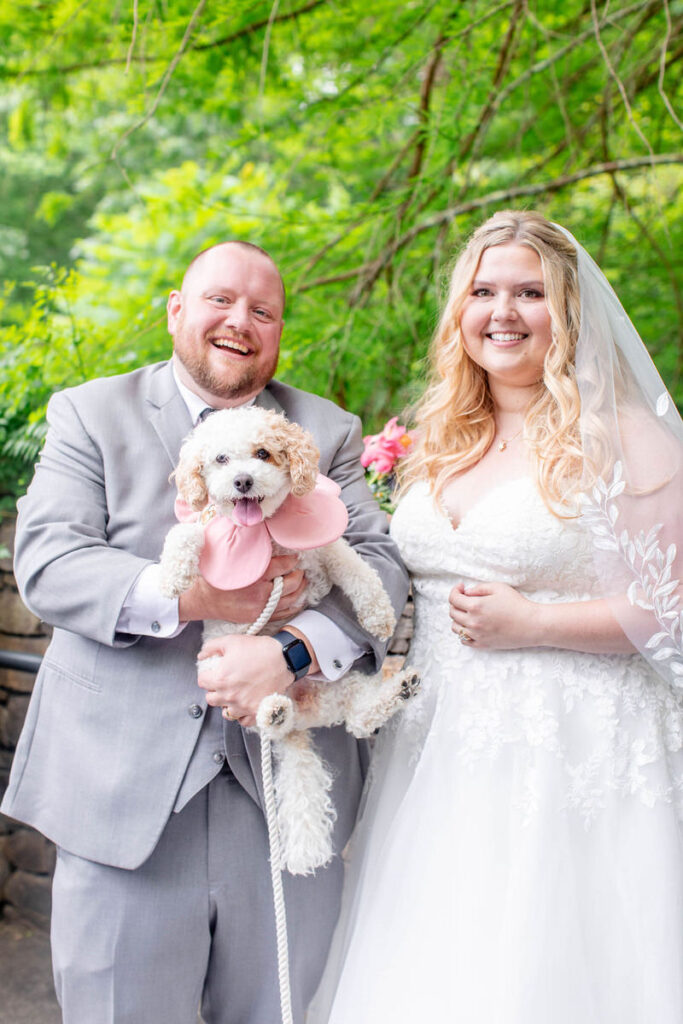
(455,417)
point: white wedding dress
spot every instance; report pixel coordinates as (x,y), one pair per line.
(519,856)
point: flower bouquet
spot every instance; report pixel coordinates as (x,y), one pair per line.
(382,452)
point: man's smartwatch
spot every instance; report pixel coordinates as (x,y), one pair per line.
(295,653)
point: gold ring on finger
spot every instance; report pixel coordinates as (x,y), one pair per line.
(228,714)
(465,637)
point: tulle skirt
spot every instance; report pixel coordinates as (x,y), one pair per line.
(478,894)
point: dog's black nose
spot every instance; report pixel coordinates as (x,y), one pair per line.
(243,483)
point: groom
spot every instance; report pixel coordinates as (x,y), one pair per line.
(162,897)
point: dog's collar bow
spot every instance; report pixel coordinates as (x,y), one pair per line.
(234,556)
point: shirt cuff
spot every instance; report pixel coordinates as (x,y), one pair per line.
(335,651)
(146,612)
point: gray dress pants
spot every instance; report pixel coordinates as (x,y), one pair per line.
(193,926)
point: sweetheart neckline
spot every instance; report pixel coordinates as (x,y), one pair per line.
(456,528)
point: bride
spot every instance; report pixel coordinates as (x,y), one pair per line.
(518,860)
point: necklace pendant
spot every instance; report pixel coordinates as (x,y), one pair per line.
(502,446)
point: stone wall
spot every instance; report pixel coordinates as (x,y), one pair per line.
(26,858)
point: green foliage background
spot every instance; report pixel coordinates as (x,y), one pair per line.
(359,143)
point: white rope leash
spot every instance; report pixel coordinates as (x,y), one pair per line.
(276,879)
(275,594)
(274,833)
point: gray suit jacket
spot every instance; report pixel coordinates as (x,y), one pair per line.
(111,727)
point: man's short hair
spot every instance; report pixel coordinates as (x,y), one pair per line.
(244,245)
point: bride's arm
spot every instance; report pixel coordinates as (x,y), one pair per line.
(496,615)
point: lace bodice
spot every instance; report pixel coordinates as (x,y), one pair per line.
(508,536)
(609,720)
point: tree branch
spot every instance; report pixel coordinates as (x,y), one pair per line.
(264,54)
(255,26)
(196,14)
(415,136)
(423,106)
(548,62)
(617,79)
(374,269)
(504,57)
(620,193)
(247,30)
(362,78)
(662,68)
(133,37)
(57,33)
(423,118)
(643,78)
(492,101)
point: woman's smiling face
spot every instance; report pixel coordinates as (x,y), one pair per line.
(505,322)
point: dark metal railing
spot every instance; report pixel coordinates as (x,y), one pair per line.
(20,660)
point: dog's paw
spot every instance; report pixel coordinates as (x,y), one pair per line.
(380,623)
(176,575)
(410,684)
(275,715)
(373,706)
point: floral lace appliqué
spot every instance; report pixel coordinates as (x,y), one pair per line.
(652,587)
(602,726)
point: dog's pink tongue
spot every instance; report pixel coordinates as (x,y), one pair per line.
(247,512)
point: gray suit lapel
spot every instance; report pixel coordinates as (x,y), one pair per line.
(167,411)
(267,401)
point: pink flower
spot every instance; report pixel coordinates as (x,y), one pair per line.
(382,451)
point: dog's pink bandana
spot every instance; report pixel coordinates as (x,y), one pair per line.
(236,554)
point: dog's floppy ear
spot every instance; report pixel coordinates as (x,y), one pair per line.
(188,475)
(303,459)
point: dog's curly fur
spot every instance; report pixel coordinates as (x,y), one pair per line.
(279,458)
(287,443)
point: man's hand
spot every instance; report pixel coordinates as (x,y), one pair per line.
(202,601)
(244,670)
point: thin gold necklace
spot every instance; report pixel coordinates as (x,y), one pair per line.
(505,441)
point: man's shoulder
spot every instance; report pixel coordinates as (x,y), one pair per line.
(297,402)
(132,382)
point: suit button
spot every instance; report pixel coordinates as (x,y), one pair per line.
(218,757)
(195,711)
(155,626)
(337,663)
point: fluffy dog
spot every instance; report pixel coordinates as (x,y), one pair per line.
(248,487)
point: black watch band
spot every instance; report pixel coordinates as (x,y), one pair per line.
(295,653)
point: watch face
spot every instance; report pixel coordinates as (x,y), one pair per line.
(295,653)
(297,656)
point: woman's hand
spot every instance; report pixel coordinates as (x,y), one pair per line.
(496,616)
(492,615)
